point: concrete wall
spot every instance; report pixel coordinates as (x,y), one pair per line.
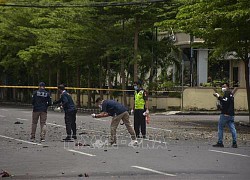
(203,99)
(199,98)
(240,97)
(164,103)
(193,99)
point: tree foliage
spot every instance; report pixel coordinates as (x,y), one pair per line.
(223,24)
(49,40)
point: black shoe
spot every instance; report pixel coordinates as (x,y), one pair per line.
(74,137)
(67,139)
(234,145)
(218,145)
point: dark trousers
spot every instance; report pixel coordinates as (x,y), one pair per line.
(139,122)
(70,122)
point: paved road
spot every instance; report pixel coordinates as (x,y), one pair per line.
(163,156)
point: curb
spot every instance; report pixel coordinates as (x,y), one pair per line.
(238,113)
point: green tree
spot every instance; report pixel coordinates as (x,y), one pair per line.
(223,24)
(15,37)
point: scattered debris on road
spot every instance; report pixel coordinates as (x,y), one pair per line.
(4,174)
(18,122)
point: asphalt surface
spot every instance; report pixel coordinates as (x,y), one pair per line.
(178,147)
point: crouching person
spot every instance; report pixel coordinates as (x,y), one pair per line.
(118,112)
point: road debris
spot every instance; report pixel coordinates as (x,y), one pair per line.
(80,144)
(5,174)
(18,122)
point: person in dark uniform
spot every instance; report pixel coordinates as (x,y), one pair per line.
(118,112)
(40,101)
(226,116)
(70,112)
(140,108)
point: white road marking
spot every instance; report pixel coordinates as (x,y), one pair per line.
(57,125)
(98,119)
(2,116)
(196,134)
(22,119)
(172,112)
(159,129)
(52,124)
(153,141)
(93,130)
(27,112)
(4,110)
(192,123)
(79,152)
(20,140)
(229,153)
(62,126)
(154,171)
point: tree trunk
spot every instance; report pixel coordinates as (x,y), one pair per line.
(109,79)
(49,75)
(123,75)
(101,79)
(78,81)
(123,81)
(58,78)
(89,86)
(68,79)
(151,72)
(49,83)
(137,26)
(247,63)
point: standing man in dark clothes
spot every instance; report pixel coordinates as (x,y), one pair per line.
(140,109)
(70,112)
(40,101)
(226,116)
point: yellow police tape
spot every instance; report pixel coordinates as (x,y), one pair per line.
(74,88)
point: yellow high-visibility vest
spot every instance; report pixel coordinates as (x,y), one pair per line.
(139,101)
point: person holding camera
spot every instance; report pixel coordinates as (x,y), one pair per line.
(226,116)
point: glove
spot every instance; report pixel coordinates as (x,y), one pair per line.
(216,95)
(93,115)
(132,111)
(146,113)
